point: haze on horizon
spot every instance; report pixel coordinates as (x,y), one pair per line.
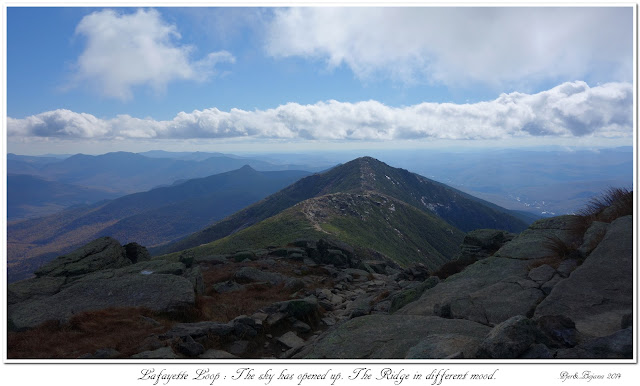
(94,80)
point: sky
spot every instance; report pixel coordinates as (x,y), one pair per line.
(96,79)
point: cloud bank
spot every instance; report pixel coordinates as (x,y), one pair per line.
(572,109)
(453,46)
(139,49)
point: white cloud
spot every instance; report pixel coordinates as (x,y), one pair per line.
(454,46)
(571,109)
(137,49)
(59,123)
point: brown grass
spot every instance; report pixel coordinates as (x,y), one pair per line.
(610,205)
(559,250)
(619,199)
(212,274)
(122,329)
(224,307)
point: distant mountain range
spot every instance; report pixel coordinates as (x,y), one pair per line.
(150,218)
(543,181)
(30,196)
(365,202)
(124,172)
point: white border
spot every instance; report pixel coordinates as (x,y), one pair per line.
(127,371)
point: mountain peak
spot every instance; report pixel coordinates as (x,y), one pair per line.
(247,168)
(367,158)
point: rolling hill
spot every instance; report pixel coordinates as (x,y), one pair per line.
(30,196)
(150,218)
(126,173)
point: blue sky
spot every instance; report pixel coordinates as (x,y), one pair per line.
(101,79)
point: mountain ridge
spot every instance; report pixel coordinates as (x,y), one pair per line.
(362,175)
(126,172)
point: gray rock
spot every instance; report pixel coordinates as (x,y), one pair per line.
(509,339)
(162,293)
(496,303)
(438,346)
(592,237)
(475,277)
(145,268)
(150,343)
(537,351)
(376,266)
(360,307)
(382,306)
(32,288)
(618,345)
(557,331)
(323,293)
(136,253)
(200,329)
(326,305)
(217,354)
(294,284)
(328,321)
(301,327)
(598,293)
(488,239)
(482,243)
(194,275)
(411,294)
(302,309)
(291,340)
(275,318)
(416,272)
(244,327)
(567,266)
(252,275)
(189,348)
(240,347)
(150,321)
(309,262)
(101,253)
(529,245)
(228,286)
(297,256)
(542,274)
(385,336)
(547,287)
(335,257)
(260,317)
(391,271)
(161,353)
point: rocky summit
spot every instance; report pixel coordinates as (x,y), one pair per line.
(563,288)
(100,275)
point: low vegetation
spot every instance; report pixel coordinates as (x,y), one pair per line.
(119,328)
(613,203)
(610,205)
